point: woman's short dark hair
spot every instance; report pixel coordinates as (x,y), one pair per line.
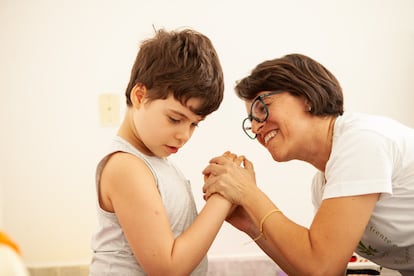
(182,63)
(300,76)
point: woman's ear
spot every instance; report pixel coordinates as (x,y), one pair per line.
(308,106)
(138,94)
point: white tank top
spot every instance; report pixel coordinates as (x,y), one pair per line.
(112,254)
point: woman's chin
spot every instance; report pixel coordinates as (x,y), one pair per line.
(278,157)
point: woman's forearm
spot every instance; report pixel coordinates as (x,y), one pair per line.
(284,241)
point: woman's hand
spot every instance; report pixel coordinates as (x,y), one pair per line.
(241,220)
(226,176)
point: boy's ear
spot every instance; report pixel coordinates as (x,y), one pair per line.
(138,94)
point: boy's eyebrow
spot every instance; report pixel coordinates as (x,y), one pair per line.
(185,116)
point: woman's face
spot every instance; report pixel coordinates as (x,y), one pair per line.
(285,131)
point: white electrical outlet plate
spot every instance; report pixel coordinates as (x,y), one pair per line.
(109,109)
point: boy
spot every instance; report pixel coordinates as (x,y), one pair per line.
(148,221)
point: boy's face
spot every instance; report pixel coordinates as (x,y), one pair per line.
(163,126)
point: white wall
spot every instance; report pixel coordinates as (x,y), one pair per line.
(58,56)
(1,201)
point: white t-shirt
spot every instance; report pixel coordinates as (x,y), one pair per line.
(373,154)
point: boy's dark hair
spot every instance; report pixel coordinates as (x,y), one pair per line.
(182,63)
(300,76)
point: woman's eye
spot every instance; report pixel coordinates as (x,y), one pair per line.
(262,109)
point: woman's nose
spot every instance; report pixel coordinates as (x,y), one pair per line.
(257,127)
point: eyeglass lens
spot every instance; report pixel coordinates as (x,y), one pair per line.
(258,113)
(247,127)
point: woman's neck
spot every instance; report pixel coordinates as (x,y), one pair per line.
(323,148)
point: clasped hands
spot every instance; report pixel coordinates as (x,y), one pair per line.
(229,175)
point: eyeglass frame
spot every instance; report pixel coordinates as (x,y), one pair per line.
(251,117)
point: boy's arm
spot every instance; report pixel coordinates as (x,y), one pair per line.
(128,189)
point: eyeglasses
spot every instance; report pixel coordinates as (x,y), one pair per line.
(258,112)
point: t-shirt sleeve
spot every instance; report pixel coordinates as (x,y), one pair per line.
(361,162)
(317,189)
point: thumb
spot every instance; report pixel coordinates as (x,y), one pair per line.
(207,194)
(248,165)
(239,160)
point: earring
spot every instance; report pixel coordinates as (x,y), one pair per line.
(309,108)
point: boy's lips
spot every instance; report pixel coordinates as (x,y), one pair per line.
(172,149)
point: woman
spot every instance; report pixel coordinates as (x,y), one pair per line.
(365,166)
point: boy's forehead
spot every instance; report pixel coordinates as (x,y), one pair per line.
(188,108)
(193,104)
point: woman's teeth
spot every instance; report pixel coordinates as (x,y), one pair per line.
(270,135)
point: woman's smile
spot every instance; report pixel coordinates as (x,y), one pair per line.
(271,134)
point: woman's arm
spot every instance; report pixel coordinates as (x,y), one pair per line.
(128,189)
(323,249)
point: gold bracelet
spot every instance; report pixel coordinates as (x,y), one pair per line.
(263,221)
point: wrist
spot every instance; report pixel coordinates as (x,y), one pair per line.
(257,205)
(220,200)
(253,231)
(252,197)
